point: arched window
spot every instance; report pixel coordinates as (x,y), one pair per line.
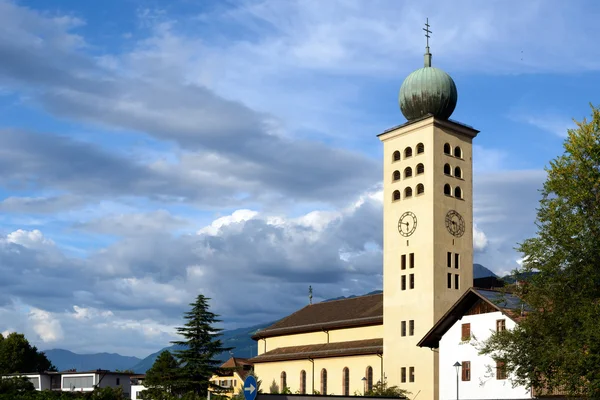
(396,195)
(447,169)
(457,152)
(346,382)
(283,381)
(396,156)
(407,192)
(420,188)
(457,172)
(396,176)
(457,193)
(447,149)
(420,148)
(369,377)
(303,382)
(407,172)
(447,190)
(323,381)
(407,152)
(420,169)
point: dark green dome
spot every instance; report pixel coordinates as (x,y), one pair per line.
(428,90)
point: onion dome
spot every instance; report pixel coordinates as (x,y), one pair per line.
(428,90)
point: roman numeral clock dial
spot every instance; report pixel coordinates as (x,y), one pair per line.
(407,224)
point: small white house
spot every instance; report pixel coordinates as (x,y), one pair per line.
(137,386)
(473,318)
(73,381)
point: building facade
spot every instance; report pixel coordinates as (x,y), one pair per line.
(472,320)
(230,377)
(73,381)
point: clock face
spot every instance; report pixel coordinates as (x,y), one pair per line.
(455,223)
(407,223)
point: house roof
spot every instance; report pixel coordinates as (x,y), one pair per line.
(323,350)
(507,303)
(241,366)
(346,313)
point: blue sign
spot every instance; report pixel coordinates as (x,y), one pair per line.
(250,388)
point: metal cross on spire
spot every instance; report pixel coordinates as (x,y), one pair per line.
(427,53)
(427,32)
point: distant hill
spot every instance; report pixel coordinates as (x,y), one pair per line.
(65,359)
(353,296)
(239,339)
(479,271)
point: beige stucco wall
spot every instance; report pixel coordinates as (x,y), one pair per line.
(235,383)
(357,366)
(337,335)
(430,242)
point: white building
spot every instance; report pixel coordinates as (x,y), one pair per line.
(73,381)
(473,319)
(137,386)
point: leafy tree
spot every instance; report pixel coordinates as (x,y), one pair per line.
(381,389)
(557,345)
(201,347)
(17,355)
(15,385)
(161,379)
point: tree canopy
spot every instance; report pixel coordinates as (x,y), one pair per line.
(201,346)
(556,347)
(187,375)
(162,377)
(17,355)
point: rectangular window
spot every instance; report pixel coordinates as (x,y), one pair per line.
(412,260)
(449,260)
(78,382)
(466,370)
(500,370)
(500,325)
(411,327)
(465,332)
(456,260)
(403,375)
(403,263)
(403,328)
(403,282)
(412,281)
(456,281)
(449,281)
(411,374)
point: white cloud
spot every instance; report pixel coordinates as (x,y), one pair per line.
(46,325)
(30,239)
(480,240)
(237,217)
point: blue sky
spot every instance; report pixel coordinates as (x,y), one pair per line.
(154,150)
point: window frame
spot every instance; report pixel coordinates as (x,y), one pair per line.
(465,332)
(466,371)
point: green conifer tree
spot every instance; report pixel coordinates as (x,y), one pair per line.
(161,380)
(201,346)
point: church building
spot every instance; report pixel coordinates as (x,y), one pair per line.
(344,347)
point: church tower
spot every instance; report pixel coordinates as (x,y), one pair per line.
(427,223)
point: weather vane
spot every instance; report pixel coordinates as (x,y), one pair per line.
(427,32)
